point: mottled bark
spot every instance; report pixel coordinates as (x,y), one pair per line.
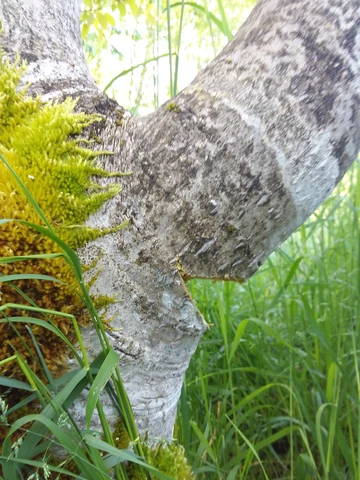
(221,174)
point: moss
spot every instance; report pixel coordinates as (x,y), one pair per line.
(120,435)
(41,141)
(172,107)
(103,301)
(169,458)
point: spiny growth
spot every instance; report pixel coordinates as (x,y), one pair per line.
(41,143)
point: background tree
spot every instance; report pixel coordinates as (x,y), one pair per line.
(220,175)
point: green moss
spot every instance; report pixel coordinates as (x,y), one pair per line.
(42,143)
(120,435)
(172,107)
(102,301)
(169,458)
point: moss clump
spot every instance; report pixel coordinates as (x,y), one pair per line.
(169,458)
(41,142)
(120,435)
(172,107)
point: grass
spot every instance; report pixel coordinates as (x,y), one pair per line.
(274,388)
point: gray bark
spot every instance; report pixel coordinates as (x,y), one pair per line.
(221,175)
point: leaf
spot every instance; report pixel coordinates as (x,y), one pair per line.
(30,257)
(331,382)
(13,383)
(27,276)
(237,338)
(99,382)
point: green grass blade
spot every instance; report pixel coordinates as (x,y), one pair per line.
(131,69)
(28,276)
(206,12)
(319,436)
(105,372)
(31,308)
(13,383)
(22,258)
(177,60)
(224,20)
(169,48)
(239,334)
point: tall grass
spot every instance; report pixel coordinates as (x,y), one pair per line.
(274,388)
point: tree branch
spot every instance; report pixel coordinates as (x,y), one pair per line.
(239,159)
(46,34)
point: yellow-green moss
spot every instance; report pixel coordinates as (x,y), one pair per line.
(169,458)
(120,435)
(41,141)
(172,107)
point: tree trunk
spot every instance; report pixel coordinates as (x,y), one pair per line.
(220,175)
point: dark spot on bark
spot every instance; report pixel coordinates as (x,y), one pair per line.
(269,87)
(255,184)
(258,35)
(29,57)
(281,68)
(349,37)
(244,171)
(336,69)
(323,109)
(208,164)
(105,105)
(143,257)
(355,108)
(249,149)
(311,93)
(299,84)
(191,172)
(330,67)
(339,146)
